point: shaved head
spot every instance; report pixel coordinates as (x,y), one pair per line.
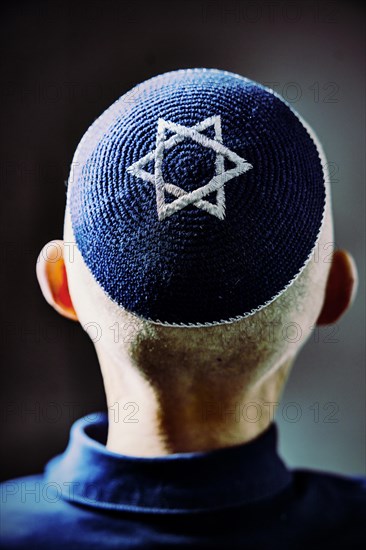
(253,344)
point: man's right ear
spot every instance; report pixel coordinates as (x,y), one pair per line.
(52,278)
(341,288)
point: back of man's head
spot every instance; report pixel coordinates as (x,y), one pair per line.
(200,206)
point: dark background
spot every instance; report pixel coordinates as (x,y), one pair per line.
(63,64)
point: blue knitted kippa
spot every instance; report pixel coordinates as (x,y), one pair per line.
(197,198)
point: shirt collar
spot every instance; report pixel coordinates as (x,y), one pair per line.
(88,473)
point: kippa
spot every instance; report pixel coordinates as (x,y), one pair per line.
(197,198)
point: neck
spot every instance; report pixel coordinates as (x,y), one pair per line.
(185,413)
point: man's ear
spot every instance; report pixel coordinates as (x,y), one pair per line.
(341,288)
(52,278)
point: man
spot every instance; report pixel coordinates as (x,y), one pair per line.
(197,218)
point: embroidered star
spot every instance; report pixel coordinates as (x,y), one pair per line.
(196,197)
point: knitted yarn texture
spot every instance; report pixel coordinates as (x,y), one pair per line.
(197,198)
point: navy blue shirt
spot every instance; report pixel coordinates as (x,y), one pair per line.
(237,497)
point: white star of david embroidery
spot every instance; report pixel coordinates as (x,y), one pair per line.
(196,197)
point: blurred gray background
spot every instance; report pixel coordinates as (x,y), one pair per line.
(65,63)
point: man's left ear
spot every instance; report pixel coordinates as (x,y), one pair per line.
(340,289)
(52,278)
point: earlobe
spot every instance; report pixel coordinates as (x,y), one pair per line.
(341,288)
(52,278)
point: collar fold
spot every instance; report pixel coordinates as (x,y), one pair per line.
(88,473)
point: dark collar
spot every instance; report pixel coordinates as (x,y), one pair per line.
(90,474)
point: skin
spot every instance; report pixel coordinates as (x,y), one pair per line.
(188,396)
